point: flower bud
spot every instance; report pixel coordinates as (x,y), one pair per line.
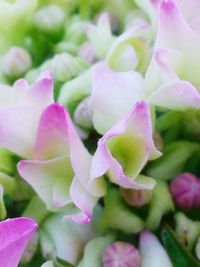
(16,62)
(121,254)
(152,252)
(87,52)
(185,190)
(187,230)
(49,19)
(65,66)
(136,198)
(83,114)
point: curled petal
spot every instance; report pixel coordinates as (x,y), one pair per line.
(117,149)
(130,51)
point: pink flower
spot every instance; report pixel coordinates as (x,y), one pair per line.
(14,237)
(59,171)
(172,79)
(124,150)
(20,110)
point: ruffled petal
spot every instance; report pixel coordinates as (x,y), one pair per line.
(15,235)
(124,150)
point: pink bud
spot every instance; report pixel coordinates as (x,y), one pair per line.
(185,190)
(87,52)
(136,198)
(120,254)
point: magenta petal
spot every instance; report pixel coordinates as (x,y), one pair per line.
(14,237)
(52,133)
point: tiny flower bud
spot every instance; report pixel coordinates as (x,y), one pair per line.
(83,114)
(16,62)
(185,190)
(49,19)
(187,230)
(136,198)
(87,52)
(121,254)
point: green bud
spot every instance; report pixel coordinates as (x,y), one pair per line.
(187,230)
(16,62)
(49,19)
(83,114)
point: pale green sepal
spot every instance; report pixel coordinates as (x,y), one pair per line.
(161,203)
(116,215)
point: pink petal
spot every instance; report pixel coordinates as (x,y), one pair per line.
(113,94)
(19,119)
(14,235)
(83,200)
(18,128)
(52,133)
(40,94)
(134,135)
(179,95)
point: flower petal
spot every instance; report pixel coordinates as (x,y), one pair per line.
(179,95)
(100,36)
(124,150)
(52,134)
(67,238)
(182,39)
(51,180)
(14,236)
(130,51)
(152,251)
(113,94)
(19,120)
(83,200)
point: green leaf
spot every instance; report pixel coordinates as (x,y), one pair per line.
(178,254)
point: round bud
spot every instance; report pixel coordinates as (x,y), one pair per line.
(185,190)
(83,114)
(50,18)
(136,198)
(16,62)
(121,254)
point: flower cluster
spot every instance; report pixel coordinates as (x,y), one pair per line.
(99,133)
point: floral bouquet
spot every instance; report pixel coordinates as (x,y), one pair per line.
(100,133)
